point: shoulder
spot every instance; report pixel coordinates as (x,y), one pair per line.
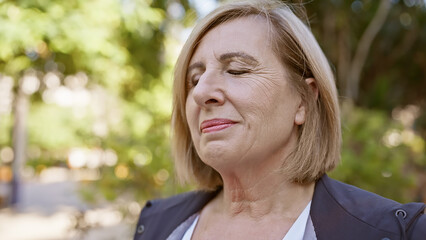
(357,210)
(161,216)
(157,206)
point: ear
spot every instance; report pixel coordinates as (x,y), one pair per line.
(301,111)
(312,83)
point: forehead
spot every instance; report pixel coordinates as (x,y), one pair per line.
(248,34)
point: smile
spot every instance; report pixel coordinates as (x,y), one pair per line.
(216,124)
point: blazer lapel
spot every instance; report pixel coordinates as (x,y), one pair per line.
(161,217)
(333,221)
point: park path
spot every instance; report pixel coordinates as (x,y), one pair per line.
(49,210)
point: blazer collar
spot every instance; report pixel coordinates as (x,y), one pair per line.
(342,211)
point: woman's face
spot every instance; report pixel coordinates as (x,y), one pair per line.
(240,106)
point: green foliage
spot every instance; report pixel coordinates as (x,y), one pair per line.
(115,52)
(394,70)
(375,155)
(5,128)
(392,78)
(52,127)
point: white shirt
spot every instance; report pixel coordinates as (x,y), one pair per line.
(296,232)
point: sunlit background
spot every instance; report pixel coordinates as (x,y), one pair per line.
(85,102)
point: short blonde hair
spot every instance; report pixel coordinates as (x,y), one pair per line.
(319,140)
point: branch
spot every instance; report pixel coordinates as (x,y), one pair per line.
(358,62)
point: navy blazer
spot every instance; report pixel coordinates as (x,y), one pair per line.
(338,211)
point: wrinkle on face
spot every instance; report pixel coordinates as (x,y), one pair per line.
(239,56)
(235,61)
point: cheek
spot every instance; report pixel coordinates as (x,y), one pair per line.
(191,116)
(261,97)
(187,111)
(274,103)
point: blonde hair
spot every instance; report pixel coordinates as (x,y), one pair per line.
(319,140)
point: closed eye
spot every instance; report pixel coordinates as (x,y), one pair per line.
(237,72)
(193,82)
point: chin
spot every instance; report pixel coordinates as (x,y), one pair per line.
(217,156)
(213,154)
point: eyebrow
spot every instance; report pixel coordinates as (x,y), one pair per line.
(242,55)
(226,57)
(195,65)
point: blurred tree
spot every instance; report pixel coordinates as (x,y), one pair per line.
(97,76)
(391,49)
(381,155)
(378,50)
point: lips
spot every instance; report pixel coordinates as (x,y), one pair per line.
(216,124)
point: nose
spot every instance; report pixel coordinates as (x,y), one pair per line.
(209,90)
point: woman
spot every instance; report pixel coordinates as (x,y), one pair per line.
(256,126)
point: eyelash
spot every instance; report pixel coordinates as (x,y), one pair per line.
(193,81)
(237,72)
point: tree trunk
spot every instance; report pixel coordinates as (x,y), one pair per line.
(344,58)
(358,62)
(19,141)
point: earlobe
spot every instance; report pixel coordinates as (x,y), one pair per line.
(299,118)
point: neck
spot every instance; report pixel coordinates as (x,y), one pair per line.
(260,188)
(256,197)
